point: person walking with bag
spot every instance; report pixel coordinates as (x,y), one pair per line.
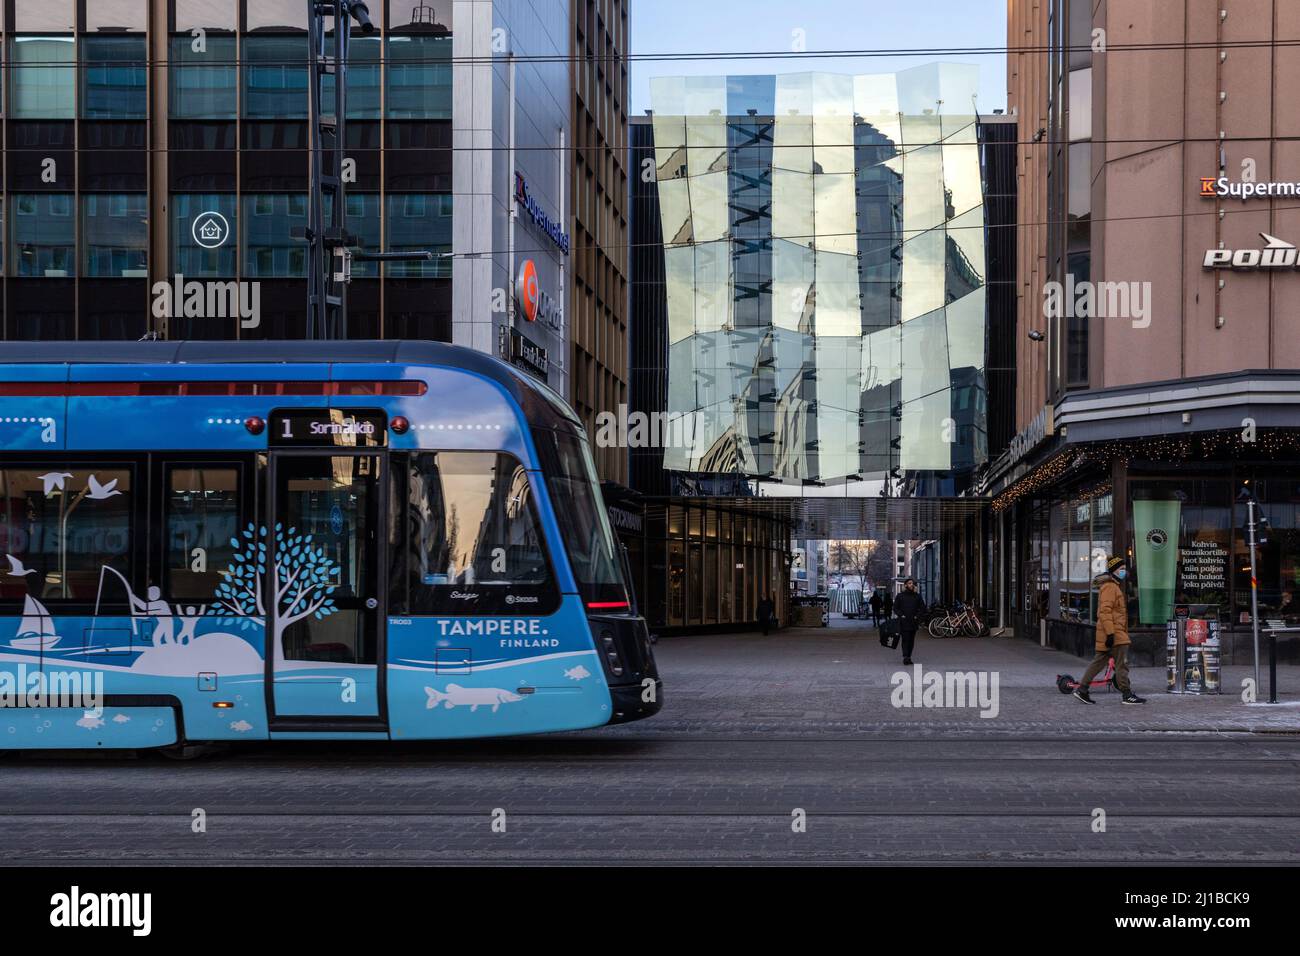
(907,608)
(1112,638)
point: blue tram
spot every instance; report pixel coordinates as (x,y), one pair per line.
(265,540)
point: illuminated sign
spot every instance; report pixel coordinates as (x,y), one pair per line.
(536,304)
(331,427)
(1212,188)
(551,227)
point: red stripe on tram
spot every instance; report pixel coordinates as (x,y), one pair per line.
(404,388)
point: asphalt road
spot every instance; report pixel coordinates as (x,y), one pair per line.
(685,789)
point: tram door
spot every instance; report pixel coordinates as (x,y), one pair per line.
(324,570)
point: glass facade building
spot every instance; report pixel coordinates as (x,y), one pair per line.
(824,261)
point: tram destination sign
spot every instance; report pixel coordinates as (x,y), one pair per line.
(328,428)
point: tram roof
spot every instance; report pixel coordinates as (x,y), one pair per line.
(523,389)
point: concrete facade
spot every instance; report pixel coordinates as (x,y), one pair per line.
(489,250)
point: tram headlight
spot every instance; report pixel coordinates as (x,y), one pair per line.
(255,425)
(612,658)
(400,425)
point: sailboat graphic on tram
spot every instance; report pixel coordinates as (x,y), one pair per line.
(36,628)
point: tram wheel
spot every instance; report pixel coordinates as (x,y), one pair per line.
(189,751)
(1064,683)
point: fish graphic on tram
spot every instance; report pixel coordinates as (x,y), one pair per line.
(292,540)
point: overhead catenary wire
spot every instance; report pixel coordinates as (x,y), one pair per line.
(940,228)
(687,57)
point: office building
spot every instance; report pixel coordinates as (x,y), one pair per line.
(1158,376)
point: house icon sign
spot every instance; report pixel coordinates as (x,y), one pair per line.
(210,230)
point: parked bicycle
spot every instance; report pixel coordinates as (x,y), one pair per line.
(960,620)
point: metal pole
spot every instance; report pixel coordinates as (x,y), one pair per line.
(1254,583)
(1272,667)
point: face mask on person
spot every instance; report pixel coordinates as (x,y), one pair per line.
(1122,573)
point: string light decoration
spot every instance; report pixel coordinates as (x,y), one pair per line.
(1270,444)
(1045,474)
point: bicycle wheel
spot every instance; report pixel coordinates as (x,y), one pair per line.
(971,626)
(940,627)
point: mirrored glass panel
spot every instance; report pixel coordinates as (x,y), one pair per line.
(824,275)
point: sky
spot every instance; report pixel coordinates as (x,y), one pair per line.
(710,26)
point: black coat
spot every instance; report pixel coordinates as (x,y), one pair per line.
(907,607)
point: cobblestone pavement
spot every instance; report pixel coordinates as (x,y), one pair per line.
(839,680)
(755,732)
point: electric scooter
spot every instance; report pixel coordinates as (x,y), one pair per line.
(1068,685)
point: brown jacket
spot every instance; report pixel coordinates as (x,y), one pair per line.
(1112,611)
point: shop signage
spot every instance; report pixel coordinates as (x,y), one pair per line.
(1212,188)
(538,215)
(1155,523)
(624,520)
(1035,433)
(528,355)
(1205,567)
(535,304)
(1276,254)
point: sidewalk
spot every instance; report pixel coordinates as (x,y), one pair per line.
(837,681)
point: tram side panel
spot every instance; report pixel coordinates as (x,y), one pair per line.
(488,676)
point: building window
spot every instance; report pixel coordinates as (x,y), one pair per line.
(365,78)
(420,222)
(269,247)
(44,235)
(363,222)
(275,76)
(43,77)
(419,77)
(115,234)
(114,84)
(203,78)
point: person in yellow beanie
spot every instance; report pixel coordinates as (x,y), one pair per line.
(1112,633)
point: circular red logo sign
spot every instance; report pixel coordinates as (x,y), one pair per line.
(527,290)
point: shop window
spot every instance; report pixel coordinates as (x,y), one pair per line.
(1180,542)
(1277,554)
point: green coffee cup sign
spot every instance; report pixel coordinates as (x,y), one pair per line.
(1155,541)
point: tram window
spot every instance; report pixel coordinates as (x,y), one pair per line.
(202,516)
(584,522)
(61,530)
(473,537)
